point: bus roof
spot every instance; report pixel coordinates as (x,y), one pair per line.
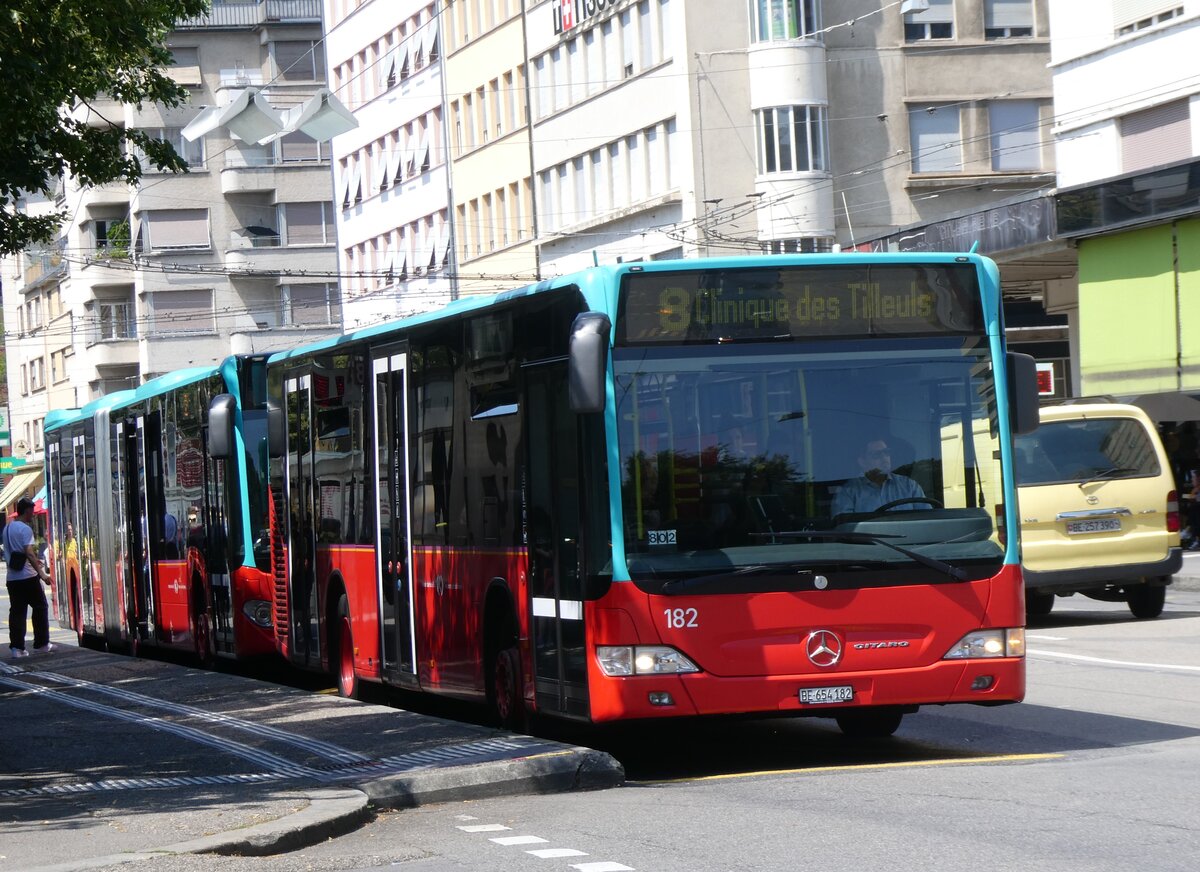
(599,283)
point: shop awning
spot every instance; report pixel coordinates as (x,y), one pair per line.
(24,482)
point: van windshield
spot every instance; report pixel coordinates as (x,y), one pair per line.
(1078,450)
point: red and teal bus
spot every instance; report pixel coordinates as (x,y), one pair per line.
(759,485)
(157,542)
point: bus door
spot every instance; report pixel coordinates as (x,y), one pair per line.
(215,524)
(111,491)
(62,490)
(85,535)
(301,524)
(392,565)
(140,593)
(553,536)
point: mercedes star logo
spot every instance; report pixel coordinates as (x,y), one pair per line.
(823,647)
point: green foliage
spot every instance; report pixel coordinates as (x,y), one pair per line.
(65,55)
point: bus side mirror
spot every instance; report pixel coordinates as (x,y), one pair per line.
(220,426)
(276,432)
(1022,392)
(587,376)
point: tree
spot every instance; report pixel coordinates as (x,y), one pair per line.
(57,58)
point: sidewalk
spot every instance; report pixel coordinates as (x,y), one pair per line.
(110,759)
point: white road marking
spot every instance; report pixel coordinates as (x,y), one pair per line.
(1046,638)
(603,866)
(485,828)
(1169,667)
(520,840)
(556,853)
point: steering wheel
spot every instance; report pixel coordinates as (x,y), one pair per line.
(887,507)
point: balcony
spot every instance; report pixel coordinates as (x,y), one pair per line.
(254,14)
(265,254)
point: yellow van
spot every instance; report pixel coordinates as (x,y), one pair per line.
(1098,507)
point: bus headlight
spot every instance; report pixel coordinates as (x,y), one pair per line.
(616,660)
(258,611)
(989,643)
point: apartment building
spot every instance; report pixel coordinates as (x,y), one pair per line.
(1127,133)
(236,255)
(391,181)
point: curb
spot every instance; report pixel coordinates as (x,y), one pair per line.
(328,813)
(575,768)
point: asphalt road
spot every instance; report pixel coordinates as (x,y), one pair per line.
(1095,771)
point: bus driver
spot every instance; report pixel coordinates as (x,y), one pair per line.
(878,485)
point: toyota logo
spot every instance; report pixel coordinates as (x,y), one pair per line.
(823,648)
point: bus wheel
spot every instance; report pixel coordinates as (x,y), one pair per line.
(347,679)
(202,635)
(507,705)
(1038,603)
(870,723)
(1146,600)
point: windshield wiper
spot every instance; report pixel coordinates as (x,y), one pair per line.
(877,539)
(1107,473)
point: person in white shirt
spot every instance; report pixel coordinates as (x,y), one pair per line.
(878,485)
(25,576)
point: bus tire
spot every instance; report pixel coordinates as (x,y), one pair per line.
(507,703)
(343,652)
(870,723)
(1038,603)
(1146,600)
(202,635)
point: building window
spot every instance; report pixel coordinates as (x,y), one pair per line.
(1007,19)
(185,65)
(299,60)
(175,313)
(112,236)
(935,141)
(1134,15)
(191,152)
(784,19)
(1155,137)
(58,366)
(307,223)
(311,304)
(299,147)
(807,245)
(1016,135)
(791,139)
(37,374)
(115,320)
(176,228)
(936,22)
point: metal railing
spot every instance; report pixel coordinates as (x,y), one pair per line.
(252,14)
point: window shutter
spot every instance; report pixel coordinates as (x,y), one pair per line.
(1008,13)
(1157,136)
(936,143)
(939,12)
(177,228)
(1129,11)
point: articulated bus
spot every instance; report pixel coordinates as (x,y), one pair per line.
(157,543)
(625,493)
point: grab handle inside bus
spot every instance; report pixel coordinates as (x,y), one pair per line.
(587,381)
(220,426)
(1022,392)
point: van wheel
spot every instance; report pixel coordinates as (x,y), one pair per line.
(1147,600)
(870,723)
(343,653)
(1038,603)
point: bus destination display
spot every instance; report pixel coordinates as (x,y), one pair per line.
(799,302)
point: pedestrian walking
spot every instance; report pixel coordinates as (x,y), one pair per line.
(25,576)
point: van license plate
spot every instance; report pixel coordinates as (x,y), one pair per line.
(1109,525)
(825,695)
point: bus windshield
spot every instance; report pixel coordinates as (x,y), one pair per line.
(760,458)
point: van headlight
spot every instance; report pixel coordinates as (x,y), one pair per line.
(1008,642)
(618,660)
